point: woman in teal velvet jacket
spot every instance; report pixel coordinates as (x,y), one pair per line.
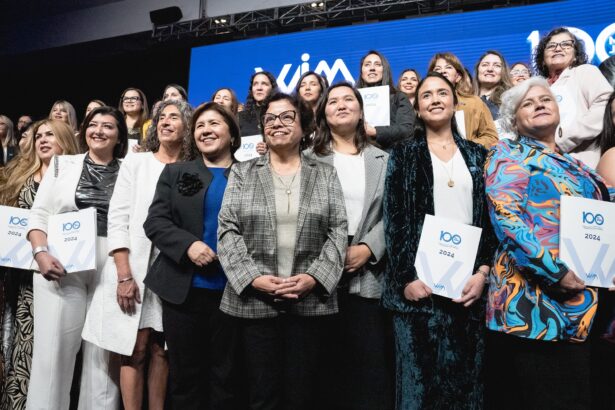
(439,342)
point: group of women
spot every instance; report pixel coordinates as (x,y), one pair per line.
(288,281)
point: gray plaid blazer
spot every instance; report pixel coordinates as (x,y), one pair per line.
(367,281)
(247,238)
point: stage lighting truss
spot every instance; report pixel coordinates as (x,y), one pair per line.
(316,14)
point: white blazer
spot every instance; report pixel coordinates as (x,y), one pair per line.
(56,193)
(106,325)
(582,93)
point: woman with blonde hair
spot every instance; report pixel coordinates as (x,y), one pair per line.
(19,182)
(479,126)
(64,111)
(7,139)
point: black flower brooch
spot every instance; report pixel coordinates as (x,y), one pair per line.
(189,184)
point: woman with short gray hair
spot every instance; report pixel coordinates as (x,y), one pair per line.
(534,297)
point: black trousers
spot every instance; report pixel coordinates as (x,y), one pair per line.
(202,348)
(284,361)
(533,374)
(362,371)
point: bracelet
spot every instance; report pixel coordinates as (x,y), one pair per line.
(482,272)
(128,279)
(38,250)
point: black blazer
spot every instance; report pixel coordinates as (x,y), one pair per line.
(174,222)
(11,152)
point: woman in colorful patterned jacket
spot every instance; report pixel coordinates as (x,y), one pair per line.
(534,297)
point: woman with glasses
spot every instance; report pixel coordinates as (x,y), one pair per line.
(282,240)
(519,72)
(581,92)
(491,80)
(376,71)
(133,105)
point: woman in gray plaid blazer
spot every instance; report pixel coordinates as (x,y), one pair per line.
(363,331)
(282,242)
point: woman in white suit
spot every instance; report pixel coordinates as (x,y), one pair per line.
(363,329)
(61,300)
(126,317)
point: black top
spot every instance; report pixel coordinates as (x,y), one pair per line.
(248,122)
(95,188)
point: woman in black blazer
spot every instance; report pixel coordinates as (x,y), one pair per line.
(182,223)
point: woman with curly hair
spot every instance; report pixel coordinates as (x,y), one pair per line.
(262,85)
(580,89)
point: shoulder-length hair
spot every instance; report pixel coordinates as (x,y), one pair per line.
(10,130)
(152,143)
(463,86)
(387,77)
(306,115)
(234,100)
(419,125)
(502,85)
(607,135)
(250,105)
(190,149)
(143,115)
(14,176)
(539,55)
(72,114)
(322,140)
(181,90)
(322,81)
(121,148)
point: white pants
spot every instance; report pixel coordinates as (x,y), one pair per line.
(59,313)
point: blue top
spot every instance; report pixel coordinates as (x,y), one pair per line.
(212,276)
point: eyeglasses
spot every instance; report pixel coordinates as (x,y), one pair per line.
(565,45)
(131,99)
(518,73)
(286,118)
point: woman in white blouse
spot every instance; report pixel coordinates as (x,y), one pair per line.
(128,317)
(363,329)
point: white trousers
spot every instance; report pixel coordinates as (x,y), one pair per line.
(59,314)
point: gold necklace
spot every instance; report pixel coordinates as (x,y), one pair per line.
(443,145)
(451,182)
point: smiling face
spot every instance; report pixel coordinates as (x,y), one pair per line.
(170,126)
(212,135)
(284,132)
(58,112)
(224,98)
(559,52)
(519,73)
(342,110)
(538,114)
(436,102)
(261,87)
(408,83)
(131,102)
(490,71)
(310,89)
(45,143)
(172,93)
(101,135)
(372,69)
(447,70)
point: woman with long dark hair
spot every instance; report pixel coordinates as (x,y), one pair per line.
(262,85)
(439,341)
(491,80)
(376,71)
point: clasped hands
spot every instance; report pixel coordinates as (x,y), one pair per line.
(291,288)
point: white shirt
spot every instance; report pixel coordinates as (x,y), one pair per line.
(351,173)
(452,202)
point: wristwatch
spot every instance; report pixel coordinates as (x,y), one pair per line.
(39,249)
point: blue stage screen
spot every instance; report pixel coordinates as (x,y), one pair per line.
(336,52)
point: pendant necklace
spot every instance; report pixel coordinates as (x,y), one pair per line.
(450,183)
(288,187)
(442,145)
